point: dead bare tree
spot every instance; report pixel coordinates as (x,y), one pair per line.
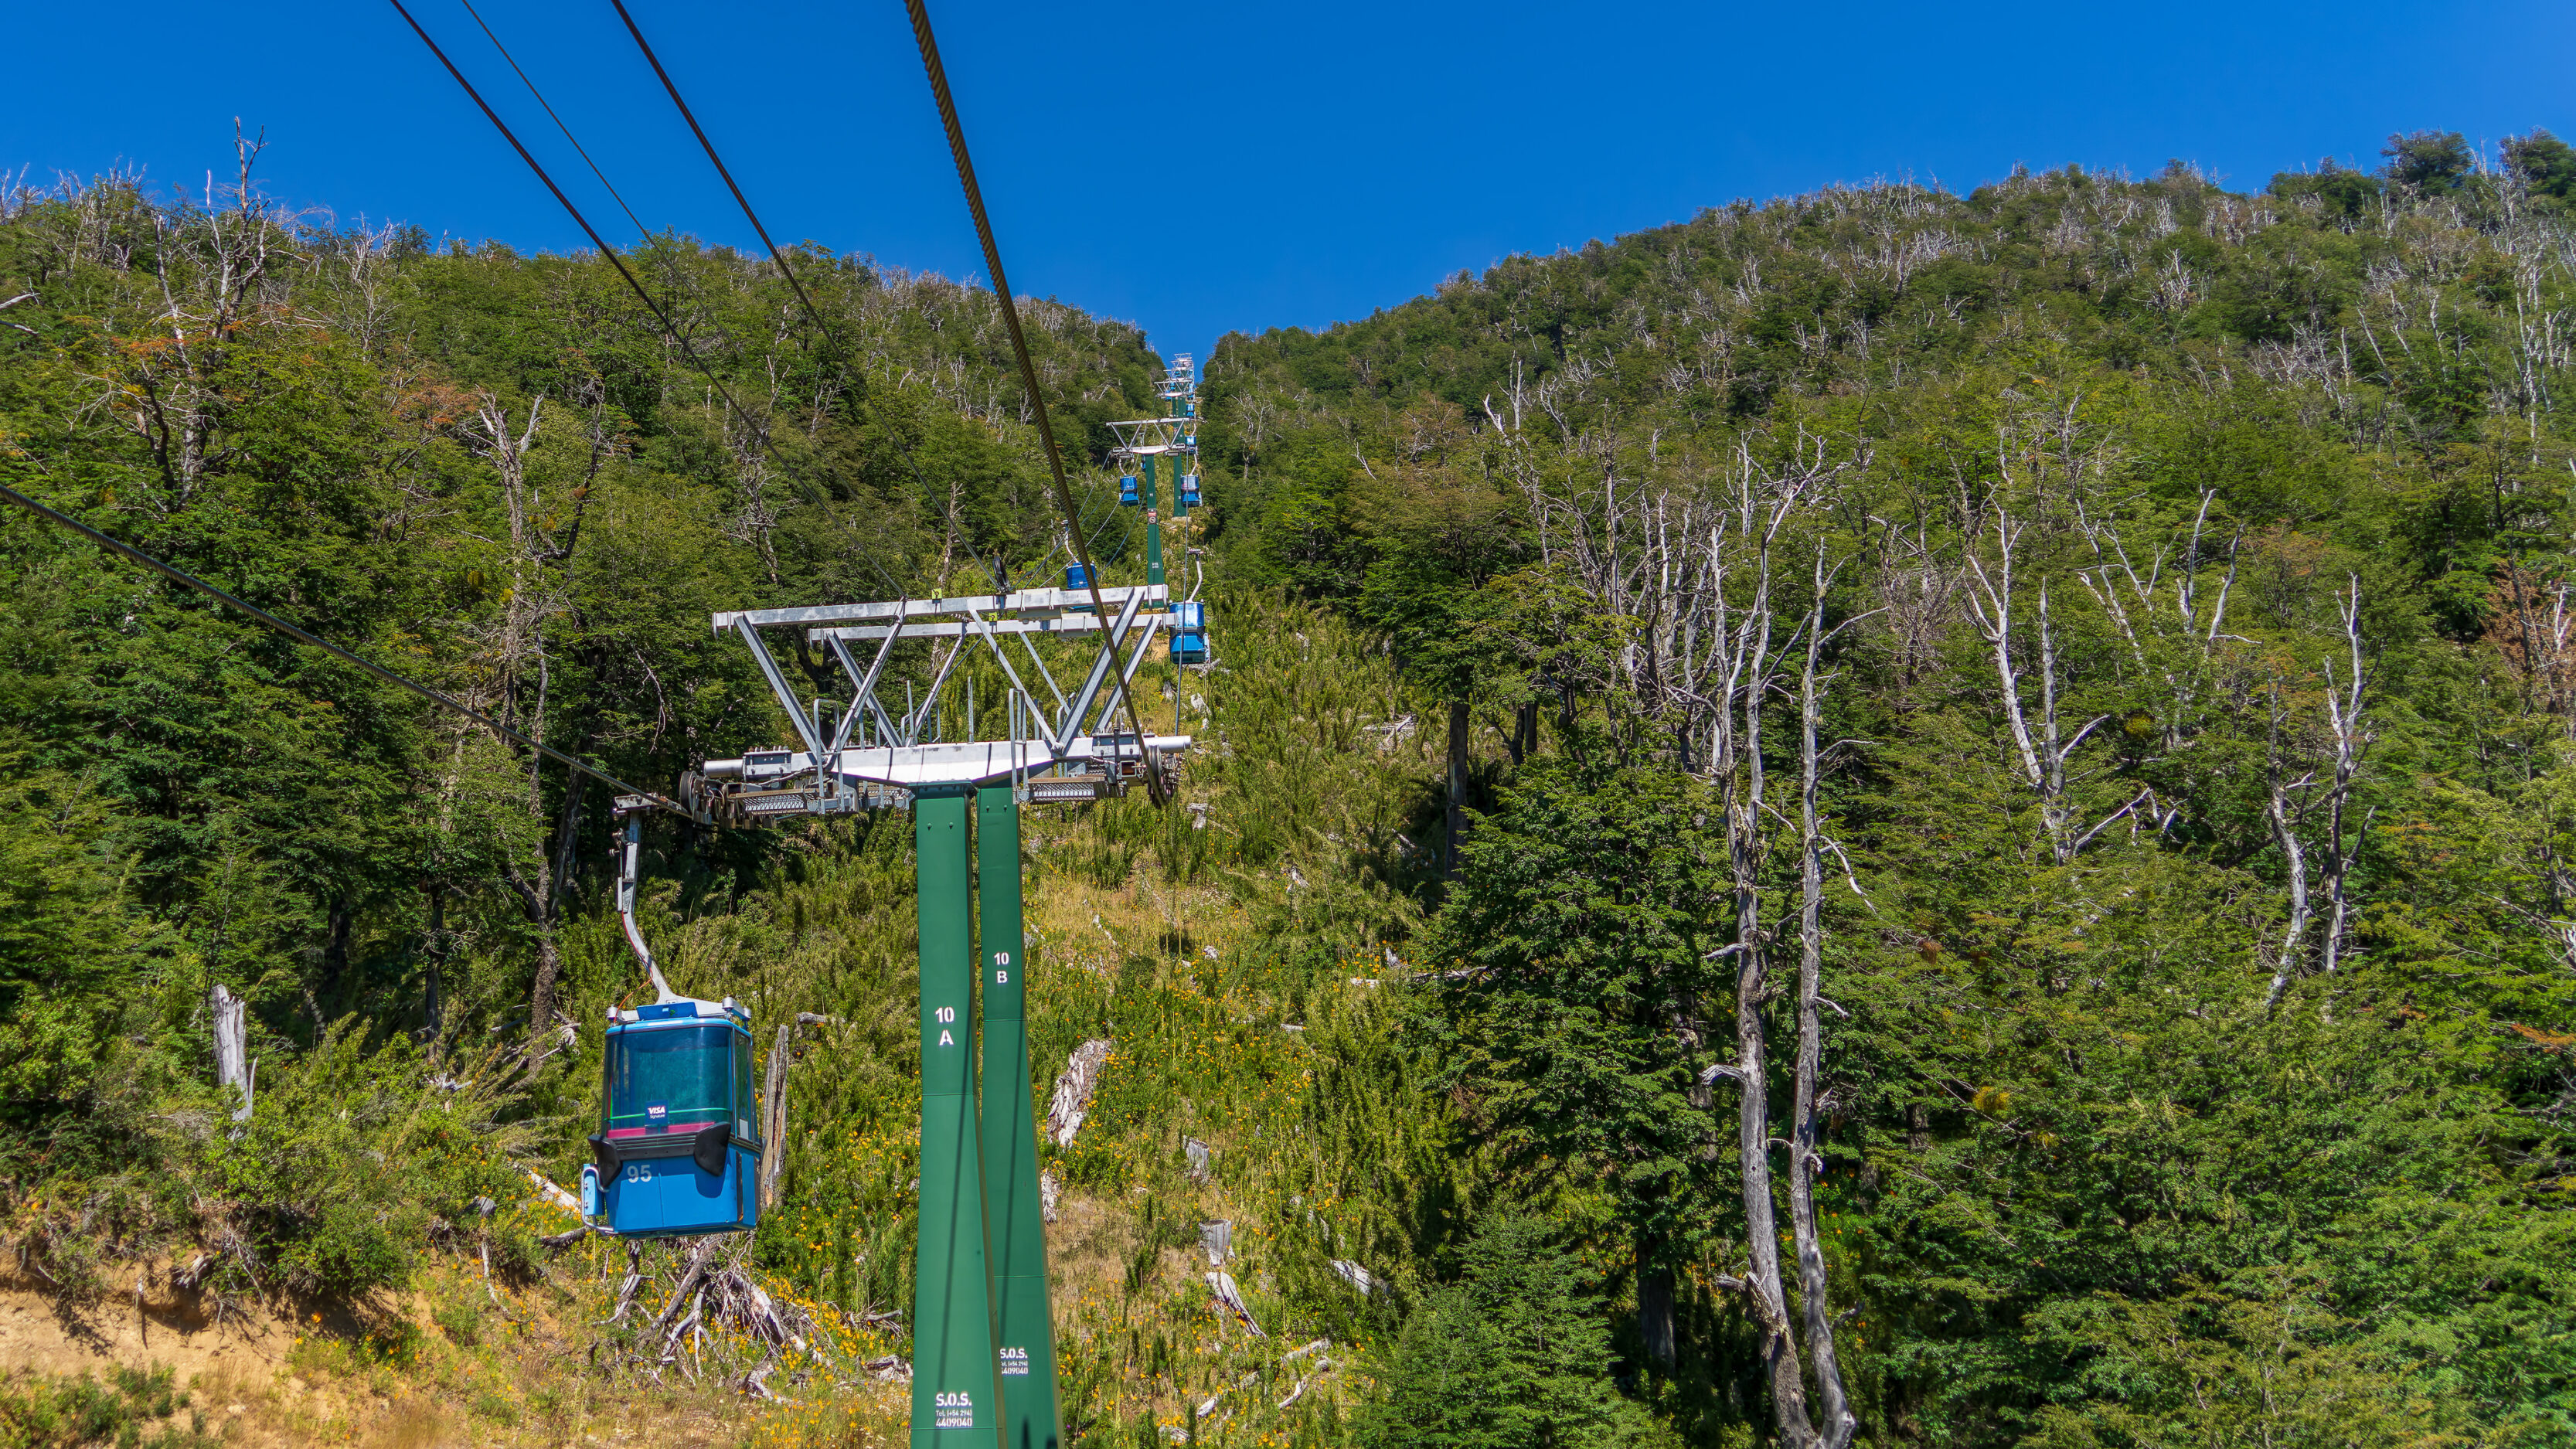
(212,269)
(2344,722)
(2346,738)
(1735,755)
(1918,591)
(1806,1115)
(233,1064)
(755,521)
(365,257)
(2283,820)
(2041,753)
(1750,665)
(2534,628)
(2183,645)
(538,541)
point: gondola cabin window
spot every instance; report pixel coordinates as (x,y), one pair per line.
(672,1079)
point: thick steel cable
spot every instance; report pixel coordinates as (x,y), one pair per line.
(579,220)
(767,443)
(605,185)
(929,45)
(327,647)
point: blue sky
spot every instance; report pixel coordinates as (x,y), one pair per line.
(1197,169)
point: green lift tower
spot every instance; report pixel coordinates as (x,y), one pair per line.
(984,1367)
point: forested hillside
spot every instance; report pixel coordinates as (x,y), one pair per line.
(2016,775)
(1884,817)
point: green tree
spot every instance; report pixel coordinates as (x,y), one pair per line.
(1574,997)
(1514,1355)
(2264,1363)
(2546,164)
(2430,160)
(1442,525)
(2340,191)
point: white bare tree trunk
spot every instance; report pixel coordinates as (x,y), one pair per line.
(1737,762)
(773,1126)
(2284,823)
(2343,848)
(233,1067)
(1806,1153)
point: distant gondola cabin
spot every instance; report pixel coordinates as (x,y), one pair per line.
(1189,632)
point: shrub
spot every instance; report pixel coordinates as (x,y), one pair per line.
(350,1252)
(461,1322)
(129,1409)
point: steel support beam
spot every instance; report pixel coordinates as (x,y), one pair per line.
(787,699)
(928,710)
(951,628)
(1071,724)
(1026,1326)
(1025,600)
(867,694)
(1144,642)
(987,629)
(1154,525)
(956,1380)
(1043,673)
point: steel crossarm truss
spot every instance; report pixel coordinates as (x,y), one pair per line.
(1148,437)
(968,761)
(1046,739)
(1023,601)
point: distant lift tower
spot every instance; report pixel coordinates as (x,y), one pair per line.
(1140,444)
(1179,392)
(983,1342)
(1143,441)
(1180,395)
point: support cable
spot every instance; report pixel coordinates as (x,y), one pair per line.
(759,430)
(327,647)
(579,220)
(929,46)
(804,299)
(710,147)
(640,228)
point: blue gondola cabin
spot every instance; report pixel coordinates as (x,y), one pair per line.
(678,1148)
(1189,632)
(1127,490)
